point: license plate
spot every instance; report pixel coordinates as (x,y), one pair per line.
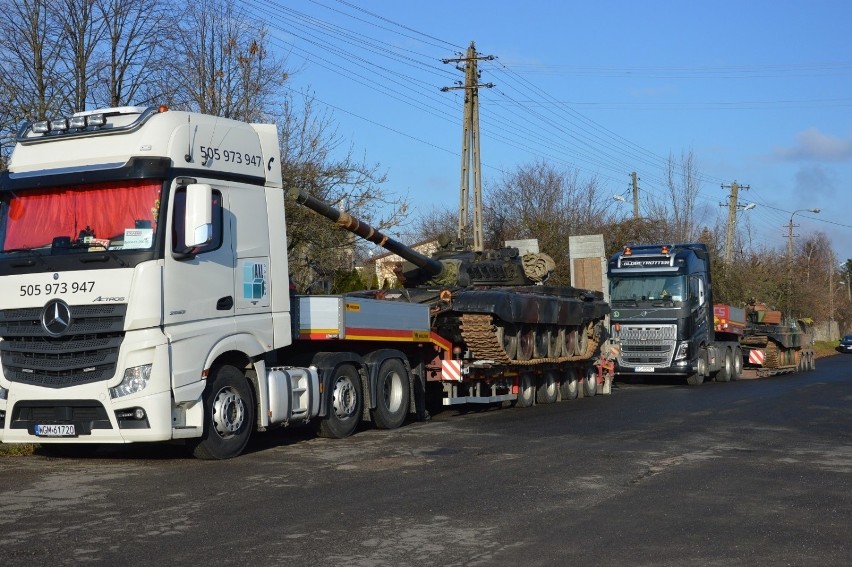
(644,369)
(55,430)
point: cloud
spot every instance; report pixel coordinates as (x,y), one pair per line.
(814,182)
(813,145)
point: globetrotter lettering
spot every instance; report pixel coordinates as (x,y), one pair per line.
(644,263)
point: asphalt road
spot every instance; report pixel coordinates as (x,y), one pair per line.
(756,472)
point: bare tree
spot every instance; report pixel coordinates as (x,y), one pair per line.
(30,65)
(679,210)
(134,47)
(82,28)
(223,65)
(310,144)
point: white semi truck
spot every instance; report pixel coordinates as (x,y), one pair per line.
(144,296)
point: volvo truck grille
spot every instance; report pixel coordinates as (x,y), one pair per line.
(646,345)
(86,351)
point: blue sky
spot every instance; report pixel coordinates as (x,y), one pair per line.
(759,91)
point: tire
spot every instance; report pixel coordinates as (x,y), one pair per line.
(508,337)
(526,391)
(811,361)
(547,389)
(724,374)
(393,391)
(229,415)
(582,344)
(738,364)
(697,378)
(590,382)
(554,342)
(526,342)
(569,388)
(569,341)
(344,403)
(541,341)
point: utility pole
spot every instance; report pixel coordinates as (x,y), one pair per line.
(732,219)
(635,184)
(470,160)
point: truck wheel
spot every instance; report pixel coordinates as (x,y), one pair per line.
(569,388)
(526,391)
(738,364)
(345,403)
(590,382)
(228,415)
(392,395)
(811,361)
(547,389)
(697,378)
(724,374)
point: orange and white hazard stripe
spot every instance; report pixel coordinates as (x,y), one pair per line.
(756,356)
(451,370)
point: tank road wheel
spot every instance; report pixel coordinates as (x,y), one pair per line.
(582,344)
(590,382)
(569,341)
(526,390)
(392,395)
(547,389)
(738,364)
(526,342)
(724,374)
(541,340)
(569,388)
(345,403)
(554,342)
(228,415)
(508,336)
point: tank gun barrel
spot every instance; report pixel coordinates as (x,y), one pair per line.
(365,231)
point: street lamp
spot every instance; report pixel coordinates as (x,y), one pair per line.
(790,256)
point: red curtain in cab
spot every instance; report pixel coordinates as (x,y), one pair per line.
(36,217)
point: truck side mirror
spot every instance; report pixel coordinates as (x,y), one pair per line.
(198,223)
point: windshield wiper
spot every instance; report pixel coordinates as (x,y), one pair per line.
(31,251)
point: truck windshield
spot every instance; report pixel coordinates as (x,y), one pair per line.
(116,215)
(648,288)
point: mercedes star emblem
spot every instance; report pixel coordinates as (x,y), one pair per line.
(56,317)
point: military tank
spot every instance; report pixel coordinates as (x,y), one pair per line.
(785,342)
(493,303)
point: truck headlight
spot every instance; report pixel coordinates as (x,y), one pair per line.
(682,351)
(135,380)
(4,393)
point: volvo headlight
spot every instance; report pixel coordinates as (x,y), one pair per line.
(682,351)
(4,393)
(135,380)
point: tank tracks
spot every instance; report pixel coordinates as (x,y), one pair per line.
(772,353)
(480,335)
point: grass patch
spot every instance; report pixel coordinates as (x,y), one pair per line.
(826,348)
(16,449)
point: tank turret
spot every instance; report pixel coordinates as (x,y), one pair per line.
(491,302)
(449,265)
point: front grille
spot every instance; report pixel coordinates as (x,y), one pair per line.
(88,352)
(647,345)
